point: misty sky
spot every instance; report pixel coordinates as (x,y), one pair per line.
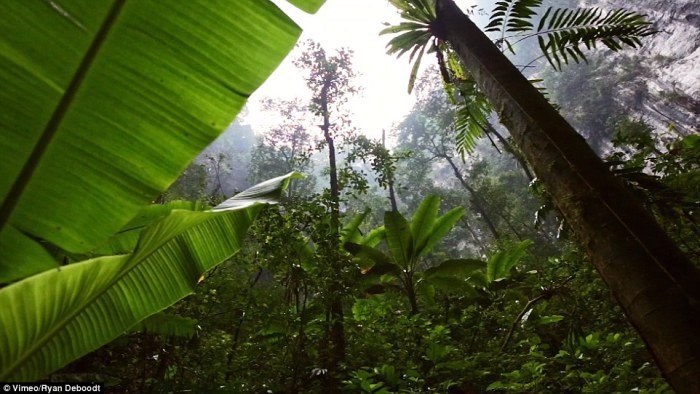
(353,24)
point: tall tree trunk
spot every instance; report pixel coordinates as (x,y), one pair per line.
(337,329)
(476,199)
(239,325)
(392,195)
(654,283)
(478,242)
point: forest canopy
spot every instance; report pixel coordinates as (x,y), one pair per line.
(480,245)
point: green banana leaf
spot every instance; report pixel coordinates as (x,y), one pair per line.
(452,276)
(457,268)
(168,324)
(428,229)
(105,102)
(423,221)
(351,231)
(443,225)
(52,318)
(126,239)
(367,256)
(399,239)
(374,237)
(501,262)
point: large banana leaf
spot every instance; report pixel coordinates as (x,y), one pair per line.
(501,262)
(351,231)
(54,317)
(125,240)
(428,229)
(399,239)
(443,225)
(423,222)
(167,324)
(104,102)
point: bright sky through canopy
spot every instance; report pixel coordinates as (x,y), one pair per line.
(353,24)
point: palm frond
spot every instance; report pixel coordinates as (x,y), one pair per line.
(408,41)
(414,33)
(416,10)
(511,16)
(561,33)
(416,65)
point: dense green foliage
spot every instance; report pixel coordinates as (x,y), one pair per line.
(524,312)
(451,271)
(105,104)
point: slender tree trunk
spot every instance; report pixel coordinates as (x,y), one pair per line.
(337,328)
(239,325)
(476,199)
(480,204)
(392,195)
(654,283)
(478,242)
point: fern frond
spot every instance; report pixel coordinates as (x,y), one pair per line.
(471,119)
(511,16)
(562,33)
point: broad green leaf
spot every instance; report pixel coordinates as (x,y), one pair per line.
(167,324)
(443,225)
(692,141)
(498,385)
(21,257)
(383,270)
(265,192)
(304,254)
(414,70)
(436,351)
(351,231)
(423,221)
(450,284)
(367,256)
(375,236)
(310,6)
(52,318)
(398,236)
(125,240)
(550,319)
(458,268)
(500,264)
(478,279)
(104,103)
(408,41)
(403,26)
(426,291)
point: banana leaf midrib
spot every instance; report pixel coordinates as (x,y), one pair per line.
(19,185)
(130,266)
